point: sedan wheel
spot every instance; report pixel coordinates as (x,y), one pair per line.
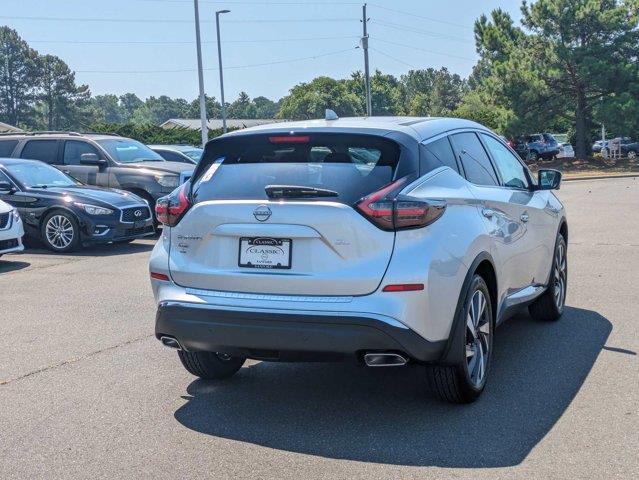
(632,154)
(60,232)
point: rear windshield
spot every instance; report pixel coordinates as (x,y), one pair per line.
(241,167)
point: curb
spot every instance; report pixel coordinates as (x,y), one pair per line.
(601,177)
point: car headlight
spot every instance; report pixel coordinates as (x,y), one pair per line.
(16,215)
(95,210)
(170,181)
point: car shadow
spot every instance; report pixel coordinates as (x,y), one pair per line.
(106,250)
(7,264)
(388,416)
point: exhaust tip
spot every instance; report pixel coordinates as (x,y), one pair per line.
(385,360)
(170,342)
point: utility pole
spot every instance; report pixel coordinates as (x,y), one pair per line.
(200,73)
(219,57)
(367,76)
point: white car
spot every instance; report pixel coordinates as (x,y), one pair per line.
(386,240)
(566,151)
(11,229)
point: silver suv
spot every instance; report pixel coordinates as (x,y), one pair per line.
(385,240)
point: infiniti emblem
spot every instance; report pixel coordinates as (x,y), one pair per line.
(138,213)
(262,213)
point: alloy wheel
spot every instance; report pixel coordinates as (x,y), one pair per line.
(560,271)
(59,231)
(632,154)
(478,331)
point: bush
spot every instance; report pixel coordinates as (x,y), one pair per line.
(150,133)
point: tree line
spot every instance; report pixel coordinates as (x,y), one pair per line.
(570,66)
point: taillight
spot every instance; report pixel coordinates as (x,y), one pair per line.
(170,209)
(401,212)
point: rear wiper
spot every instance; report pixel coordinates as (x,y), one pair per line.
(296,191)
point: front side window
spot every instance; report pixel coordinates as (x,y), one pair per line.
(73,150)
(43,150)
(37,175)
(511,170)
(474,159)
(125,150)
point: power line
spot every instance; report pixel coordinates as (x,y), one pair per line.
(423,49)
(414,15)
(277,62)
(148,20)
(186,42)
(391,57)
(404,28)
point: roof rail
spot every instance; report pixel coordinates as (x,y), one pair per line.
(51,132)
(102,133)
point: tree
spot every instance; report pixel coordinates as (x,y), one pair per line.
(18,78)
(129,103)
(212,107)
(64,103)
(159,109)
(433,92)
(574,56)
(107,108)
(242,107)
(265,108)
(309,100)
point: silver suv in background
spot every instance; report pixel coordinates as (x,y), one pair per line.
(387,240)
(102,160)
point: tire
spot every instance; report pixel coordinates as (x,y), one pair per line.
(632,155)
(465,381)
(533,156)
(60,232)
(550,305)
(210,365)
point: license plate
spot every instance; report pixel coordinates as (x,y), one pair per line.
(264,252)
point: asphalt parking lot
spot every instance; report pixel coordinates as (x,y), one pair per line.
(87,392)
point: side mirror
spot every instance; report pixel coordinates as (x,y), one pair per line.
(548,179)
(6,188)
(92,159)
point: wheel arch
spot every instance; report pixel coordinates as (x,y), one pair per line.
(55,208)
(484,265)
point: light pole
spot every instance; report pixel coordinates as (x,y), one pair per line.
(200,73)
(219,56)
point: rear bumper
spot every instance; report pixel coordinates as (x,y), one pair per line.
(288,335)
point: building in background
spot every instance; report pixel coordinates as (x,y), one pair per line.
(6,128)
(214,123)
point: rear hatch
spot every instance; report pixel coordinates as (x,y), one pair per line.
(238,237)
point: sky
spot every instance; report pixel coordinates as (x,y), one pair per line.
(148,46)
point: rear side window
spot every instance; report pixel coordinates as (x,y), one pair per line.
(73,150)
(437,154)
(44,150)
(241,167)
(170,156)
(474,159)
(6,147)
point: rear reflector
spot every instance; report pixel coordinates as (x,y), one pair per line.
(404,287)
(160,276)
(290,139)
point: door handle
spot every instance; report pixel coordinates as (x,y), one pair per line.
(488,213)
(524,217)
